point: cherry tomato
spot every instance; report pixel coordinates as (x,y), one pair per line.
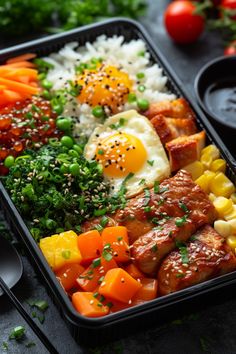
(181,23)
(230,49)
(229,5)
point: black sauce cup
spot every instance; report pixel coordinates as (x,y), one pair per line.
(215,88)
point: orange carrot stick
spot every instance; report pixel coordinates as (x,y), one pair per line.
(19,87)
(20,64)
(23,57)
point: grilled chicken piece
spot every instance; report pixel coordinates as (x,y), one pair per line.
(173,194)
(178,108)
(206,257)
(185,149)
(150,249)
(182,126)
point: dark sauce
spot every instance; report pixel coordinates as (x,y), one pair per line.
(221,101)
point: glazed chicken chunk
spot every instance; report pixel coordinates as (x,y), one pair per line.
(204,257)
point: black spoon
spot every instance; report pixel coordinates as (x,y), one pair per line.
(11,269)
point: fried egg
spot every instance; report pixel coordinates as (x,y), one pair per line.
(127,145)
(105,86)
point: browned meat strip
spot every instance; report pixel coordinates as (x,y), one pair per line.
(175,194)
(149,249)
(202,258)
(178,108)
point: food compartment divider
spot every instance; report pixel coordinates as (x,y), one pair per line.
(101,330)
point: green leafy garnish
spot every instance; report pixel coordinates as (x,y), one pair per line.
(156,187)
(183,207)
(181,221)
(154,248)
(150,162)
(183,251)
(147,196)
(118,125)
(17,333)
(96,262)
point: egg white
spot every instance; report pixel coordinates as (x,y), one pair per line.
(158,167)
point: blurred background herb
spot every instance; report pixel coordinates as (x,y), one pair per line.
(58,15)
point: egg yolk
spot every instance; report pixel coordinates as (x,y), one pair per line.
(121,154)
(106,86)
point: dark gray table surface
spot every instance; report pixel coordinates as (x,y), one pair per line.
(210,330)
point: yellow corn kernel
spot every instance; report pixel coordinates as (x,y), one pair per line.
(221,185)
(232,223)
(223,228)
(233,197)
(212,151)
(195,168)
(223,205)
(204,180)
(212,197)
(218,165)
(231,241)
(206,160)
(231,215)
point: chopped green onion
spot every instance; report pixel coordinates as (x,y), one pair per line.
(150,162)
(100,212)
(147,209)
(132,97)
(96,262)
(181,221)
(66,254)
(100,280)
(100,152)
(142,181)
(17,333)
(183,252)
(104,221)
(147,196)
(140,75)
(156,187)
(183,207)
(154,248)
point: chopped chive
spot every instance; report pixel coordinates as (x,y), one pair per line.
(66,254)
(96,294)
(147,209)
(100,212)
(42,305)
(183,207)
(180,275)
(17,333)
(156,187)
(96,262)
(143,181)
(99,304)
(109,304)
(102,298)
(100,280)
(181,221)
(107,255)
(154,248)
(150,162)
(147,196)
(170,233)
(183,251)
(140,75)
(104,221)
(100,152)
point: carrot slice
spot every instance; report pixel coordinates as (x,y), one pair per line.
(12,96)
(117,237)
(19,87)
(87,305)
(119,285)
(93,276)
(20,64)
(20,58)
(68,274)
(147,292)
(134,271)
(90,245)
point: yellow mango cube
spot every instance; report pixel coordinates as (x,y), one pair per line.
(223,228)
(61,249)
(195,168)
(218,165)
(223,205)
(232,223)
(67,250)
(47,246)
(231,241)
(221,185)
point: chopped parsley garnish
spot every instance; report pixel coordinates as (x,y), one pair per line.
(183,251)
(147,209)
(96,262)
(142,181)
(17,333)
(66,254)
(104,221)
(155,220)
(154,248)
(150,162)
(118,125)
(181,221)
(156,187)
(130,175)
(180,275)
(119,238)
(183,207)
(42,305)
(147,196)
(100,280)
(107,252)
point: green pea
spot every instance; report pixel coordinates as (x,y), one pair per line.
(141,88)
(9,161)
(64,123)
(64,168)
(46,94)
(58,108)
(131,97)
(47,84)
(73,153)
(42,76)
(74,169)
(78,149)
(98,112)
(67,141)
(143,104)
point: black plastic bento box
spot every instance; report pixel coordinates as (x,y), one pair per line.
(98,330)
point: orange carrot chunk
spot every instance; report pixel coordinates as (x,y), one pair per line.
(19,87)
(23,57)
(117,237)
(93,276)
(68,274)
(20,64)
(87,305)
(134,271)
(90,245)
(119,285)
(147,292)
